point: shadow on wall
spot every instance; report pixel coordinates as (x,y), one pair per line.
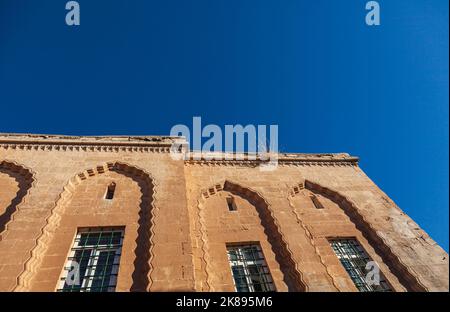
(291,276)
(140,275)
(142,267)
(24,179)
(406,278)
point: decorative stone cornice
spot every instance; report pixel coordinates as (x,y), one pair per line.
(255,160)
(163,144)
(158,144)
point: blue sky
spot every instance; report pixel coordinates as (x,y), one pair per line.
(330,82)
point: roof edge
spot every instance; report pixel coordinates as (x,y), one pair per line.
(7,139)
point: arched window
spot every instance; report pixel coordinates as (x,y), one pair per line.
(316,202)
(110,191)
(231,203)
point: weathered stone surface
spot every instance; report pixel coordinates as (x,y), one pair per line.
(177,223)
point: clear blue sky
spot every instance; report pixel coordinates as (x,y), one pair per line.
(313,67)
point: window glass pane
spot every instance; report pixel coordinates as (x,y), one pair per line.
(232,255)
(96,254)
(354,260)
(250,254)
(239,278)
(82,258)
(102,271)
(249,269)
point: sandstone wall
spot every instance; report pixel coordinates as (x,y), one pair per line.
(177,223)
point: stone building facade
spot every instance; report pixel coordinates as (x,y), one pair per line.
(138,219)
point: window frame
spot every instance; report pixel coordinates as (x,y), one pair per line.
(231,203)
(92,265)
(266,279)
(110,191)
(351,263)
(316,202)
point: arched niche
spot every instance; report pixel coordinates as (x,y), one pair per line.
(289,273)
(84,194)
(310,189)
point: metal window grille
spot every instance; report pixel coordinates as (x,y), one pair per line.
(249,269)
(354,259)
(93,261)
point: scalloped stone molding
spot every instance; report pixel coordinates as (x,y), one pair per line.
(294,191)
(407,278)
(141,282)
(288,266)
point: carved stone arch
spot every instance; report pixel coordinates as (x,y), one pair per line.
(141,275)
(397,267)
(289,268)
(25,179)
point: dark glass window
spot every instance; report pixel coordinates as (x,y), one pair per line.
(316,202)
(249,269)
(354,259)
(231,204)
(110,191)
(93,261)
